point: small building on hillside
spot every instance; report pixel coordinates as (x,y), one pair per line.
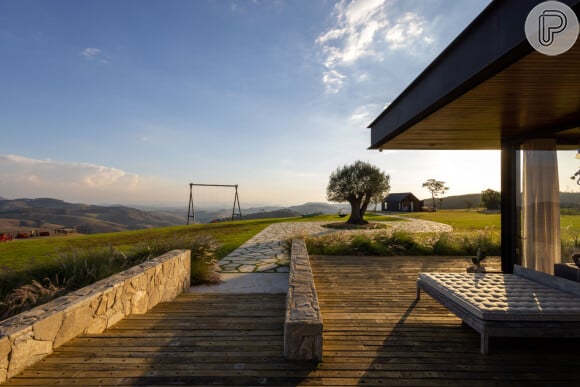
(401,202)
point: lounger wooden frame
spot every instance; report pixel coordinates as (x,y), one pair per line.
(511,328)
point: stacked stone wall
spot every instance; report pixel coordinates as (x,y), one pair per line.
(303,322)
(30,336)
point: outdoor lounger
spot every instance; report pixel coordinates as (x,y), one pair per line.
(526,303)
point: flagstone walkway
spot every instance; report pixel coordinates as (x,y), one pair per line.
(267,251)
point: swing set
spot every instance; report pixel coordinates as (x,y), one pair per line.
(236,210)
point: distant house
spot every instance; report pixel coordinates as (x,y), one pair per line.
(65,231)
(401,202)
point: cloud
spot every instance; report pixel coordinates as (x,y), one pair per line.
(406,31)
(333,81)
(93,54)
(352,36)
(48,171)
(74,181)
(365,30)
(364,113)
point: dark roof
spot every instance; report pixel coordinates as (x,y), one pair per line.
(487,86)
(397,197)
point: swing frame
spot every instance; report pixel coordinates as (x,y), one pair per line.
(191,209)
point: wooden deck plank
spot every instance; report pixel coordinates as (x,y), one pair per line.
(374,334)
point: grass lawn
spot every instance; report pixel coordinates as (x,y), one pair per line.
(474,220)
(461,220)
(22,260)
(22,254)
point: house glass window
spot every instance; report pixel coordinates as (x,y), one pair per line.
(548,212)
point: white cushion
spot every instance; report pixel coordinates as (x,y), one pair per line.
(505,297)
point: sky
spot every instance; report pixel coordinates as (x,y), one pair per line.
(127,102)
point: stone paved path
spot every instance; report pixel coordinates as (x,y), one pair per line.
(267,251)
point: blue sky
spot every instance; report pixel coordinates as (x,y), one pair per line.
(128,101)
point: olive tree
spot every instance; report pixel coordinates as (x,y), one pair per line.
(358,184)
(437,189)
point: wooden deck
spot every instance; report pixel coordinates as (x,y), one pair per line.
(374,335)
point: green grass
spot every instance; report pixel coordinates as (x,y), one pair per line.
(464,221)
(21,255)
(37,258)
(24,254)
(461,220)
(36,270)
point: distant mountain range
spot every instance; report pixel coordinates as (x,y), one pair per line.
(207,216)
(45,214)
(25,215)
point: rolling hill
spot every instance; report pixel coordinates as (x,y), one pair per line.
(459,202)
(44,214)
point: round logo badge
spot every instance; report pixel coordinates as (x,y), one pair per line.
(552,28)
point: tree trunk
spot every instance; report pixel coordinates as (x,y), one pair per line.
(355,213)
(363,208)
(434,202)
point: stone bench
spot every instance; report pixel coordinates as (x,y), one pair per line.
(303,322)
(30,336)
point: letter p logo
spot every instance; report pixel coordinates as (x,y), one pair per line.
(551,28)
(552,21)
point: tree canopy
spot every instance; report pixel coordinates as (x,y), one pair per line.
(437,189)
(491,199)
(358,184)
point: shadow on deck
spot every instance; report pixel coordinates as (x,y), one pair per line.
(374,334)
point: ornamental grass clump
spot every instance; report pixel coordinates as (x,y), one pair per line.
(76,268)
(447,245)
(388,244)
(27,296)
(332,244)
(404,243)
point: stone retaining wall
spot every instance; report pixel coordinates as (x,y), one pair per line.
(30,336)
(303,323)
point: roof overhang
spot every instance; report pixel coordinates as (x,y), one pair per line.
(487,87)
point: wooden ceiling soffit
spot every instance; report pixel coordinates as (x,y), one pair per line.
(536,96)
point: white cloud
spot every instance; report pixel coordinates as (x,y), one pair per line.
(362,77)
(94,55)
(333,81)
(364,113)
(352,37)
(406,31)
(73,181)
(366,29)
(99,176)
